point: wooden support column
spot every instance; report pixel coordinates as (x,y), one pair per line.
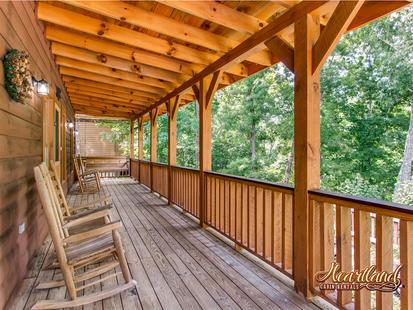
(153,156)
(132,139)
(205,93)
(172,106)
(140,146)
(311,49)
(307,144)
(131,144)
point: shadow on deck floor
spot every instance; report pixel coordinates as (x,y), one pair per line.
(177,264)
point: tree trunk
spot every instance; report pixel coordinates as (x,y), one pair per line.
(288,168)
(406,167)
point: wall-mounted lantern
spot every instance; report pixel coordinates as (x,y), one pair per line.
(41,87)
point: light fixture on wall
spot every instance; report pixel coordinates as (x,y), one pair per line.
(41,87)
(70,125)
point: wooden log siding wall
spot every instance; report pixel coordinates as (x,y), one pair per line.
(21,147)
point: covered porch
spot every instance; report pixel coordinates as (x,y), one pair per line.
(177,264)
(194,238)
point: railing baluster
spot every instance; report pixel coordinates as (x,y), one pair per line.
(343,240)
(362,253)
(288,232)
(327,236)
(315,240)
(406,260)
(384,256)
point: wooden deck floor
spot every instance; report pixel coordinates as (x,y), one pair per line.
(177,265)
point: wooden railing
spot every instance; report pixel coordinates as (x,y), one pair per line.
(108,166)
(341,225)
(134,169)
(258,216)
(145,172)
(254,214)
(185,189)
(160,178)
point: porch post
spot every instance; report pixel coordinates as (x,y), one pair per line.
(307,145)
(205,93)
(173,106)
(140,146)
(153,116)
(132,139)
(131,144)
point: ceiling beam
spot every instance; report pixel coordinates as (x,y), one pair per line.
(105,106)
(372,10)
(89,97)
(146,91)
(220,14)
(111,88)
(78,92)
(66,18)
(106,47)
(286,19)
(103,86)
(101,112)
(136,16)
(98,91)
(157,85)
(114,62)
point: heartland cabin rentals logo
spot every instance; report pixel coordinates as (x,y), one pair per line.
(369,278)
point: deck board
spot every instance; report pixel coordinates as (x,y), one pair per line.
(176,264)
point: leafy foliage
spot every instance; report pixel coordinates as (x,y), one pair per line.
(366,86)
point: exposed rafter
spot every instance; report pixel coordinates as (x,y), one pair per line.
(127,53)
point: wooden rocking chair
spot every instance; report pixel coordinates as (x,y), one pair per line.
(79,210)
(93,214)
(74,248)
(89,181)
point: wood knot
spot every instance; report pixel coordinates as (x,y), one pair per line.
(261,24)
(123,18)
(171,51)
(102,58)
(101,32)
(136,68)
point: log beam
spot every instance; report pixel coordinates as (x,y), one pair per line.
(153,152)
(172,106)
(307,144)
(332,32)
(205,95)
(132,139)
(282,50)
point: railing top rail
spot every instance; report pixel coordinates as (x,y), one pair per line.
(159,164)
(283,186)
(105,157)
(370,204)
(144,161)
(185,168)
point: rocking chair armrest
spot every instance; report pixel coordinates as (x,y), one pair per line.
(97,232)
(87,212)
(87,218)
(107,200)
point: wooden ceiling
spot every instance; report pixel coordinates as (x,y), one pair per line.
(123,58)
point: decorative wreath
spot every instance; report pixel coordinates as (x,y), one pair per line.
(17,75)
